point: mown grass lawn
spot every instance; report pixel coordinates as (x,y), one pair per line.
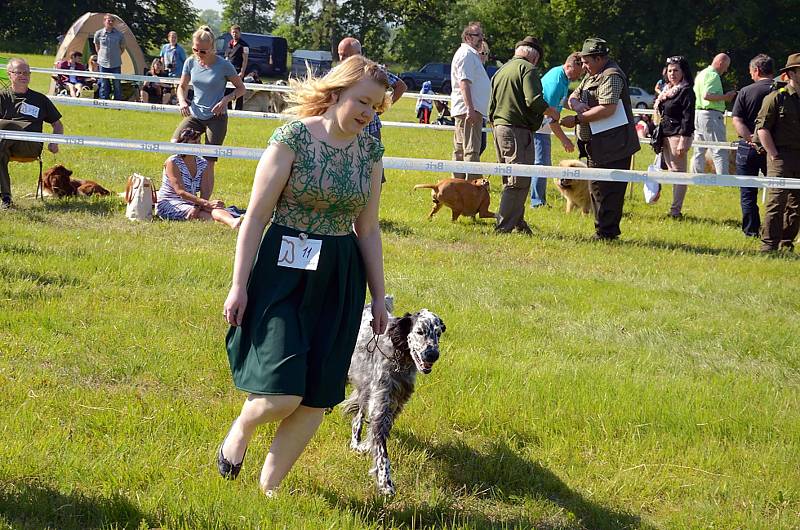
(648,383)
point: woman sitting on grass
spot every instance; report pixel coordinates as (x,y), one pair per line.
(184,177)
(295,309)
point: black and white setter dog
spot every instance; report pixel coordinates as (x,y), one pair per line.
(383,373)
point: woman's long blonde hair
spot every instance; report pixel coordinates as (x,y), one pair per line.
(313,95)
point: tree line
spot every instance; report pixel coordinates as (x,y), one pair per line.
(641,34)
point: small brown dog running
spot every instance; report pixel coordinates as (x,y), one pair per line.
(56,182)
(467,198)
(576,192)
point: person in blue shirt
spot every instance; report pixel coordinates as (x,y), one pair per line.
(173,55)
(555,87)
(208,111)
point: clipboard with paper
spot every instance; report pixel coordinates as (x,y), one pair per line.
(617,119)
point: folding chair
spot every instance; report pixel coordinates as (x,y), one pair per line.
(25,160)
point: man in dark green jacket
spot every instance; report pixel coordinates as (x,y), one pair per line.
(778,126)
(516,111)
(606,132)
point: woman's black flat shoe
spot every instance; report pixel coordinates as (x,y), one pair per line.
(228,470)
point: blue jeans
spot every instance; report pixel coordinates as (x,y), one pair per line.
(749,162)
(541,153)
(104,83)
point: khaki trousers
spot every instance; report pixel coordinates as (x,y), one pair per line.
(513,145)
(467,144)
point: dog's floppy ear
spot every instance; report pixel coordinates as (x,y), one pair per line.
(398,332)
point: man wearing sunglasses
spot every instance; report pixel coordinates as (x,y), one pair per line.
(469,100)
(22,109)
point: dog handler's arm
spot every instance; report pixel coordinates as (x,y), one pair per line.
(183,93)
(238,91)
(271,177)
(559,133)
(369,242)
(58,128)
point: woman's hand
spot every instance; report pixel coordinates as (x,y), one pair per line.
(235,304)
(220,108)
(380,317)
(185,110)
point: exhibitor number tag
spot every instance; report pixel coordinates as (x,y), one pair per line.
(299,253)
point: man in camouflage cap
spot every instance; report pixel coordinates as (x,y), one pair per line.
(596,99)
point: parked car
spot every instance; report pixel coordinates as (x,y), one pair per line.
(438,74)
(640,98)
(319,61)
(267,53)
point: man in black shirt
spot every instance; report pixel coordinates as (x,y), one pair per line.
(748,160)
(22,109)
(237,52)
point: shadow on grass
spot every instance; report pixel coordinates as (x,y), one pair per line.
(393,227)
(29,504)
(92,206)
(498,474)
(40,279)
(38,211)
(660,244)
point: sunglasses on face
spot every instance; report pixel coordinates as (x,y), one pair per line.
(480,36)
(200,52)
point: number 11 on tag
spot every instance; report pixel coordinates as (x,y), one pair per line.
(297,253)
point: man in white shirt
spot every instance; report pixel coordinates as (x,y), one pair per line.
(469,100)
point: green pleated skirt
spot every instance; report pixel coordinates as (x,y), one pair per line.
(300,327)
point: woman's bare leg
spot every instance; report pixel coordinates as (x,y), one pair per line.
(257,409)
(221,215)
(291,438)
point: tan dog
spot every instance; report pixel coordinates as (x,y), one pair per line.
(576,192)
(468,198)
(56,182)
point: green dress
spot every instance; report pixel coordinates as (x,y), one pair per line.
(300,326)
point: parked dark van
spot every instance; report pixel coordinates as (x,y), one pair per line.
(267,53)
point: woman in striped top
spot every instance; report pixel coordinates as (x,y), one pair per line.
(183,178)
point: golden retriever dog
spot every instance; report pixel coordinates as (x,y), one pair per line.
(56,182)
(467,198)
(576,192)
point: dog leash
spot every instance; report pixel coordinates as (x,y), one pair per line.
(377,346)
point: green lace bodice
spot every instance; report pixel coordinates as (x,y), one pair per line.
(328,186)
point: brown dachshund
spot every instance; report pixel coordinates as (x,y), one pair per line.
(468,198)
(56,182)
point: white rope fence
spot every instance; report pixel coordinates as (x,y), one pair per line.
(420,164)
(172,109)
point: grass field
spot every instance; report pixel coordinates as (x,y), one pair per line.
(649,383)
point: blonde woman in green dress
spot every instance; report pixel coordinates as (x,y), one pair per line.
(297,295)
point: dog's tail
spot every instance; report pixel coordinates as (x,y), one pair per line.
(425,186)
